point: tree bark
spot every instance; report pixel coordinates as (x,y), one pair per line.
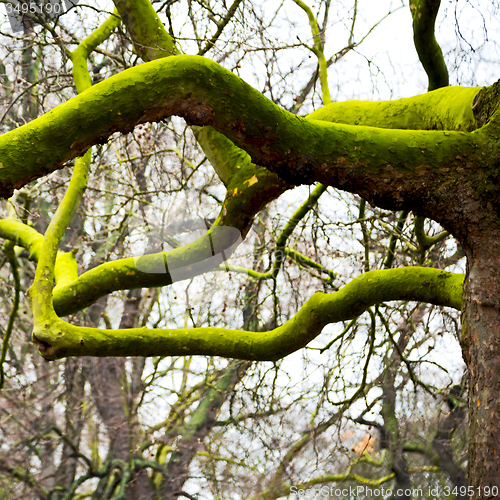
(442,445)
(481,347)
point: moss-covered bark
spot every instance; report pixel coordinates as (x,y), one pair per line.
(424,13)
(359,159)
(318,50)
(151,40)
(73,293)
(442,109)
(159,269)
(249,187)
(57,338)
(80,55)
(422,153)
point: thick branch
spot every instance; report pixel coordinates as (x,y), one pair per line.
(57,338)
(151,40)
(364,160)
(424,13)
(73,293)
(233,165)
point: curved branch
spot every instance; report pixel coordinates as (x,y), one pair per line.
(363,160)
(151,40)
(66,266)
(57,339)
(424,13)
(73,293)
(318,50)
(425,241)
(79,56)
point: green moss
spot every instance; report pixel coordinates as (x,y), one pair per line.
(444,109)
(73,293)
(79,57)
(151,40)
(424,13)
(41,290)
(204,93)
(57,338)
(66,267)
(227,160)
(152,270)
(485,105)
(22,235)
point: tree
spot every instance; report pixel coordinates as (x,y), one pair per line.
(433,154)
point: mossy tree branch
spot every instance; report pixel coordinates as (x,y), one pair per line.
(298,149)
(66,267)
(425,241)
(150,38)
(424,13)
(442,109)
(318,50)
(79,56)
(357,159)
(57,339)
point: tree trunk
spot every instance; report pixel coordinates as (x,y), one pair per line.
(75,421)
(399,466)
(115,407)
(197,429)
(442,446)
(481,347)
